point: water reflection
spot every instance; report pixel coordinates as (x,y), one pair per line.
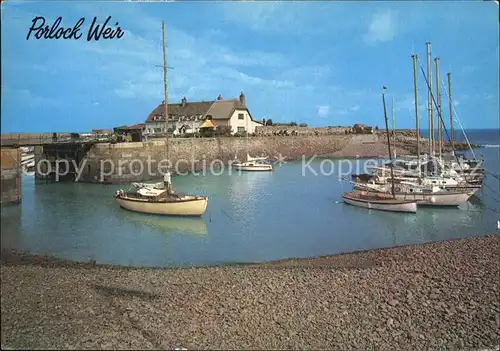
(164,225)
(251,217)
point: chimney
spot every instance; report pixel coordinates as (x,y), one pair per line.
(219,97)
(242,98)
(184,101)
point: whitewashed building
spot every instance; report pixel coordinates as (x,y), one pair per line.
(187,117)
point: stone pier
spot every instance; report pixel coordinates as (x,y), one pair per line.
(140,161)
(10,176)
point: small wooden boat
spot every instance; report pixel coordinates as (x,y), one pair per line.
(255,164)
(155,199)
(160,198)
(382,202)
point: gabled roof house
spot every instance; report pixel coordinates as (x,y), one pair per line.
(189,116)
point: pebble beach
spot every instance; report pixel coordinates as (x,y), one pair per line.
(439,295)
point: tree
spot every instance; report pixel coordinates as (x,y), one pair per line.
(269,122)
(376,127)
(222,131)
(293,124)
(303,125)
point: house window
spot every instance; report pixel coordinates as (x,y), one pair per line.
(241,129)
(241,116)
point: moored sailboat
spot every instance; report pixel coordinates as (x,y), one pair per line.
(381,201)
(429,180)
(254,164)
(160,198)
(154,199)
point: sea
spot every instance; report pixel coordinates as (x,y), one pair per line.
(294,212)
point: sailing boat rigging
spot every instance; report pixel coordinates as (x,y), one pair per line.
(434,190)
(160,198)
(381,201)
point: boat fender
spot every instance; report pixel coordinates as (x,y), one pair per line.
(433,199)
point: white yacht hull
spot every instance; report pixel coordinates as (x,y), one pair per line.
(407,207)
(255,168)
(434,199)
(194,206)
(452,199)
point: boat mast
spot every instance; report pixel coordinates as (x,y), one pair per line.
(429,97)
(440,120)
(393,129)
(414,56)
(388,142)
(165,82)
(450,103)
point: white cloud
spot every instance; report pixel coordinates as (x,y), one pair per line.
(383,27)
(323,111)
(204,66)
(27,98)
(469,69)
(257,15)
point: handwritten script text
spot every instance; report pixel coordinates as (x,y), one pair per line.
(39,30)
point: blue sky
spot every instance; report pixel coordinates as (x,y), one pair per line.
(322,63)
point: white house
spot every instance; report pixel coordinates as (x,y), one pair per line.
(187,117)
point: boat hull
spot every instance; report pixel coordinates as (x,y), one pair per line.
(393,206)
(452,199)
(191,207)
(433,199)
(259,168)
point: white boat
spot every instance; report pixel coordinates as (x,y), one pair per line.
(255,164)
(381,200)
(422,195)
(160,198)
(151,199)
(378,201)
(27,158)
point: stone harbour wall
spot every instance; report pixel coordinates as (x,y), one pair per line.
(130,162)
(10,176)
(273,130)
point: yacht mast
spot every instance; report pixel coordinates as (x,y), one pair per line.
(450,103)
(388,142)
(165,82)
(417,126)
(439,110)
(393,129)
(429,97)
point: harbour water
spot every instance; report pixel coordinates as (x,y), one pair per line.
(251,217)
